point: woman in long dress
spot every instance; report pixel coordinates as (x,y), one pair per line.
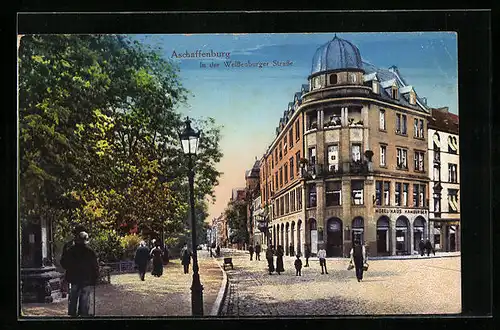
(279,260)
(157,255)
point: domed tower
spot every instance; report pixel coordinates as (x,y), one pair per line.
(338,62)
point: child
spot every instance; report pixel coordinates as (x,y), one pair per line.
(298,266)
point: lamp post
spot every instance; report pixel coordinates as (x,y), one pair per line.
(189,139)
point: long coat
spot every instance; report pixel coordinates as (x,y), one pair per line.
(279,260)
(142,257)
(270,261)
(157,254)
(186,257)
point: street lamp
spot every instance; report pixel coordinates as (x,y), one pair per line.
(189,139)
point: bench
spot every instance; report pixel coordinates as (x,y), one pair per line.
(228,261)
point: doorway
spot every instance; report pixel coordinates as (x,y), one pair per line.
(402,241)
(383,235)
(334,238)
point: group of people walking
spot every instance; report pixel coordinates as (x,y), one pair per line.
(426,248)
(158,254)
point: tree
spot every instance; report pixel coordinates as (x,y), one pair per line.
(236,215)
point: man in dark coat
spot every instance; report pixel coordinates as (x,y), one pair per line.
(186,258)
(358,258)
(82,272)
(279,260)
(429,248)
(270,259)
(250,250)
(141,259)
(76,231)
(257,251)
(166,252)
(307,255)
(421,247)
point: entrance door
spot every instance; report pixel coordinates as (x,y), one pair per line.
(382,241)
(314,241)
(334,238)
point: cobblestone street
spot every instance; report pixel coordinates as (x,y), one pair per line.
(412,286)
(168,295)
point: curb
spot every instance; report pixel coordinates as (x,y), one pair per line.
(221,296)
(412,257)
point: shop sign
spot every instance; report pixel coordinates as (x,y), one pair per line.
(401,211)
(400,239)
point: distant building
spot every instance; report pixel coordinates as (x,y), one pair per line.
(444,162)
(252,181)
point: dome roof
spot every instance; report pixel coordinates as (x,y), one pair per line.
(336,54)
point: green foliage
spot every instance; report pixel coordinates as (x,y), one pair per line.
(98,140)
(130,243)
(236,214)
(108,246)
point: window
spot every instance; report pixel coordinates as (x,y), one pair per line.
(299,198)
(290,137)
(282,205)
(402,158)
(281,150)
(276,156)
(311,201)
(452,173)
(387,194)
(287,203)
(275,207)
(281,177)
(333,193)
(452,145)
(383,153)
(291,169)
(378,193)
(276,181)
(375,86)
(437,173)
(382,120)
(286,172)
(333,79)
(292,201)
(352,78)
(394,91)
(421,196)
(405,194)
(285,146)
(403,124)
(357,192)
(421,128)
(297,161)
(356,152)
(272,161)
(333,158)
(415,195)
(413,97)
(397,194)
(419,161)
(453,200)
(437,203)
(436,143)
(398,123)
(415,128)
(312,156)
(297,130)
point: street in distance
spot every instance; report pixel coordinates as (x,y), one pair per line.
(259,64)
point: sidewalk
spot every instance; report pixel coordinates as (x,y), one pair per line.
(168,295)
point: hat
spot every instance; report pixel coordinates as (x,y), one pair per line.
(83,237)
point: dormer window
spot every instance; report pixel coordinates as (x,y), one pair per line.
(317,82)
(413,98)
(333,79)
(394,92)
(375,86)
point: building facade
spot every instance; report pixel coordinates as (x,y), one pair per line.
(444,162)
(349,160)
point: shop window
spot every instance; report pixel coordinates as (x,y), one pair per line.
(357,192)
(452,173)
(333,193)
(311,195)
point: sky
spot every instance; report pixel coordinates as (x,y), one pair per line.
(248,102)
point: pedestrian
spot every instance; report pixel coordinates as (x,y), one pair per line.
(257,251)
(250,249)
(76,231)
(270,259)
(429,248)
(298,266)
(322,260)
(421,247)
(157,255)
(186,258)
(358,258)
(141,259)
(291,250)
(82,272)
(307,255)
(279,260)
(217,251)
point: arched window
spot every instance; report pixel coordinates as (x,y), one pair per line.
(352,78)
(312,224)
(333,79)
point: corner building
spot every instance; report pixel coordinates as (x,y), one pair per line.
(349,160)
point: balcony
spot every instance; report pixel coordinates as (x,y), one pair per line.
(356,167)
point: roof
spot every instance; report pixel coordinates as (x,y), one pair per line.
(444,121)
(338,53)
